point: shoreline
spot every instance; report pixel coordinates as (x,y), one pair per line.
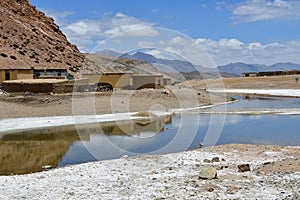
(170,176)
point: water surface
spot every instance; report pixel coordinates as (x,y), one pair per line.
(26,152)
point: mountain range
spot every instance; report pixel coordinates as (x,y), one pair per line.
(232,69)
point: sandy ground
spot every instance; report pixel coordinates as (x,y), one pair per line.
(271,82)
(18,105)
(274,174)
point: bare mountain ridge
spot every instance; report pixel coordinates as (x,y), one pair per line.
(188,70)
(29,39)
(239,68)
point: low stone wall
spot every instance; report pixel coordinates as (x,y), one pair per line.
(28,87)
(49,87)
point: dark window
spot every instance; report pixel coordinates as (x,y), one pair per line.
(7,76)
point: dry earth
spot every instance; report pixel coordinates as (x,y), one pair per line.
(18,105)
(271,82)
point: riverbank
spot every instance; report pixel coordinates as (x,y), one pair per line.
(18,105)
(274,174)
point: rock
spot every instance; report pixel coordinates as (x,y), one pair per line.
(215,159)
(210,189)
(46,167)
(201,144)
(27,94)
(208,173)
(3,92)
(124,157)
(166,91)
(244,167)
(207,160)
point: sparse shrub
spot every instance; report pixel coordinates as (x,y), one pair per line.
(60,48)
(22,53)
(4,37)
(13,57)
(3,55)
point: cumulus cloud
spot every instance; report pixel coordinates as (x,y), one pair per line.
(227,51)
(59,17)
(259,10)
(121,25)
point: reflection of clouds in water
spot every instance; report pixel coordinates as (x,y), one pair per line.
(101,146)
(255,117)
(230,119)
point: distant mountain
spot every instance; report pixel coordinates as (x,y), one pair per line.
(169,65)
(159,63)
(229,70)
(111,53)
(239,68)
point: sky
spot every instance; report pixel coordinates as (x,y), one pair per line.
(250,31)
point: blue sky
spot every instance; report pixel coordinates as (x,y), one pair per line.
(251,31)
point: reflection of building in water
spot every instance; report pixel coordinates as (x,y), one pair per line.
(139,126)
(28,152)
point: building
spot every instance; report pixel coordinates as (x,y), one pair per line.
(127,80)
(15,74)
(140,81)
(50,73)
(31,73)
(113,80)
(272,73)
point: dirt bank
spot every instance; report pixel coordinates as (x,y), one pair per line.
(18,105)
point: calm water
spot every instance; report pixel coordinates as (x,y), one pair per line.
(28,151)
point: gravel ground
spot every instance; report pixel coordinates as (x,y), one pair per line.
(274,174)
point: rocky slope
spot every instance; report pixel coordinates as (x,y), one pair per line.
(28,39)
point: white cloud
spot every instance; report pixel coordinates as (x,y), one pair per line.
(226,51)
(175,41)
(145,44)
(59,17)
(121,25)
(258,10)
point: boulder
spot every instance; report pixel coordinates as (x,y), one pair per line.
(208,173)
(244,167)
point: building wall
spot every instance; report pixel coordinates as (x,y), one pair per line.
(16,74)
(167,81)
(115,80)
(148,81)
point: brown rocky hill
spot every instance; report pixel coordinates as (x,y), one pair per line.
(29,39)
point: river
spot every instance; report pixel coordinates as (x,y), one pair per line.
(28,151)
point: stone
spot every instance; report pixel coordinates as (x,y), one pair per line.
(201,144)
(166,91)
(215,159)
(206,160)
(46,167)
(244,167)
(208,173)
